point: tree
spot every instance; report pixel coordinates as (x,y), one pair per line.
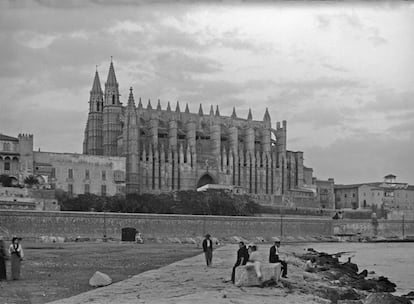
(31,180)
(5,180)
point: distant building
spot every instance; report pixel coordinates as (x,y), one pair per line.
(16,158)
(390,194)
(70,172)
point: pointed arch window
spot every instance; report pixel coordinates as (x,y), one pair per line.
(113,99)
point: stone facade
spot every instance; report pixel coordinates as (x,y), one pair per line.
(325,193)
(81,174)
(170,149)
(16,156)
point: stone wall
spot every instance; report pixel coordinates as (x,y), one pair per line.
(32,224)
(385,228)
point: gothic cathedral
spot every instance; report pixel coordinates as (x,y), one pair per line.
(169,149)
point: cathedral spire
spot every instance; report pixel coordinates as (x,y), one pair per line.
(177,108)
(149,106)
(266,116)
(217,111)
(187,110)
(250,116)
(96,87)
(111,88)
(200,110)
(111,75)
(211,111)
(168,107)
(159,105)
(233,115)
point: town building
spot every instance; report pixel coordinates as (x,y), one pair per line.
(69,172)
(388,194)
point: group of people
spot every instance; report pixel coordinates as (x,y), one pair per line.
(15,253)
(247,255)
(250,256)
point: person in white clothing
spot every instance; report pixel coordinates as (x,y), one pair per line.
(254,259)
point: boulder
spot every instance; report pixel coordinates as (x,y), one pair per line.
(100,279)
(246,275)
(385,298)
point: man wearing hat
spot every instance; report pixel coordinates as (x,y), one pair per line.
(208,249)
(274,257)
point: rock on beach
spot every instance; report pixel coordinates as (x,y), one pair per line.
(100,279)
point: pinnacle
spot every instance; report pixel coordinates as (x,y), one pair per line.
(250,116)
(200,110)
(266,116)
(131,101)
(217,111)
(177,109)
(187,110)
(233,115)
(211,111)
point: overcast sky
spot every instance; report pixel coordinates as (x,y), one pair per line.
(342,75)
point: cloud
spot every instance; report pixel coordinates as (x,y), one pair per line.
(334,68)
(390,101)
(366,158)
(323,21)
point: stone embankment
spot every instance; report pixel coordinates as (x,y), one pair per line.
(190,281)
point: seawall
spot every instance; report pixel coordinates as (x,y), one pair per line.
(33,224)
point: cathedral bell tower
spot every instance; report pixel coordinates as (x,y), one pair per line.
(112,110)
(92,144)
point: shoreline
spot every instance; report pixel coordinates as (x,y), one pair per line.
(190,281)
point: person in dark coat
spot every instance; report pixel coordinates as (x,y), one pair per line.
(242,258)
(208,249)
(3,258)
(16,254)
(274,257)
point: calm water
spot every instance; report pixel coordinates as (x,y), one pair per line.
(392,260)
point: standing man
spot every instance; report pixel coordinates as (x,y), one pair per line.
(274,257)
(242,258)
(208,249)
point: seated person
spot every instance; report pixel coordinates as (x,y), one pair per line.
(274,257)
(254,259)
(311,266)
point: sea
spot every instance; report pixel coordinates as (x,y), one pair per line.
(392,260)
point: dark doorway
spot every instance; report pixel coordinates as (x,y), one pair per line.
(204,180)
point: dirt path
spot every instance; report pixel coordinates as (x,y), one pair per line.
(56,271)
